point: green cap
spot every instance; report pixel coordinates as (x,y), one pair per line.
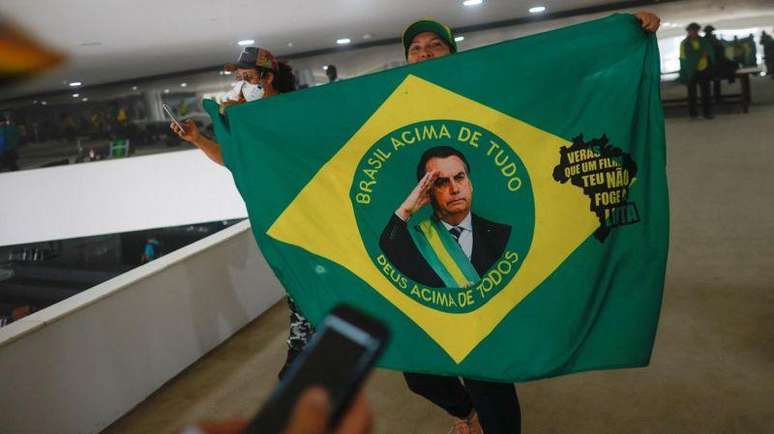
(428,25)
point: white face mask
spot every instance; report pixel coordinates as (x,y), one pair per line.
(252,92)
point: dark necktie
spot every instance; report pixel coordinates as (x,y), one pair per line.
(456,232)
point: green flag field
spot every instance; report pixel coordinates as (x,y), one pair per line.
(563,133)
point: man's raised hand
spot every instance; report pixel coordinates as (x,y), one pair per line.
(418,197)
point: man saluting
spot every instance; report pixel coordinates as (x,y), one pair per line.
(453,247)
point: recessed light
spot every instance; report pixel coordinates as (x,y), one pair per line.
(343,41)
(537,9)
(226,72)
(183,84)
(290,44)
(84,99)
(325,68)
(75,83)
(166,90)
(34,101)
(459,38)
(244,42)
(472,2)
(134,87)
(368,36)
(76,95)
(43,103)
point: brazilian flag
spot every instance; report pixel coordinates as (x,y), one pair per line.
(560,264)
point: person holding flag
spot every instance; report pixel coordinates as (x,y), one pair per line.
(443,174)
(259,75)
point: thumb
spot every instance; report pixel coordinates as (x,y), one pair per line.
(310,415)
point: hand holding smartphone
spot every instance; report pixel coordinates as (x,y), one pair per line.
(171,116)
(338,358)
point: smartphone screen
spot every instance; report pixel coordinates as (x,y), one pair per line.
(338,358)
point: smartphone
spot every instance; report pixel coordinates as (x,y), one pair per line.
(338,358)
(169,113)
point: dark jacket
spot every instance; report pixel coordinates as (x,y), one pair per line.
(489,241)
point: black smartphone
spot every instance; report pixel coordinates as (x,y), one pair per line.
(338,358)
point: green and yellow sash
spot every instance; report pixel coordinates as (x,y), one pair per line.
(444,254)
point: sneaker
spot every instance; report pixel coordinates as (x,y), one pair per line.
(460,427)
(473,424)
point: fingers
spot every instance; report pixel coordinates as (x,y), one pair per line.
(359,419)
(427,180)
(177,130)
(231,427)
(310,414)
(649,22)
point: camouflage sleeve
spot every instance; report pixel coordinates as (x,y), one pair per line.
(301,330)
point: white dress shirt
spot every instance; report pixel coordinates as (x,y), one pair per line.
(466,237)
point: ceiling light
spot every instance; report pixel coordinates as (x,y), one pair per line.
(166,90)
(134,87)
(244,42)
(290,44)
(84,99)
(75,83)
(183,84)
(459,38)
(537,9)
(34,101)
(368,36)
(343,41)
(43,103)
(472,2)
(76,95)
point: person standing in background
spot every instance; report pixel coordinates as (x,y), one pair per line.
(332,73)
(260,76)
(9,141)
(768,52)
(696,60)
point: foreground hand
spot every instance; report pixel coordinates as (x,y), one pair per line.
(310,416)
(189,132)
(650,22)
(419,196)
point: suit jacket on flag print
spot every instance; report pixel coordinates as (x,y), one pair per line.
(565,135)
(489,240)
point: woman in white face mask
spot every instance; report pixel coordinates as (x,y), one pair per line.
(259,75)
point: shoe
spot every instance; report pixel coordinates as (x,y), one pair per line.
(460,426)
(473,424)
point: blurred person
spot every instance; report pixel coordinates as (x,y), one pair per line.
(696,60)
(9,142)
(150,251)
(768,53)
(723,68)
(477,406)
(332,73)
(259,76)
(310,416)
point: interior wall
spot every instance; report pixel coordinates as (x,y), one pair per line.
(113,196)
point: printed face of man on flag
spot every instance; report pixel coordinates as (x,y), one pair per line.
(453,247)
(451,192)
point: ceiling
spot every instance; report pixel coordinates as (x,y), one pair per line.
(108,41)
(116,40)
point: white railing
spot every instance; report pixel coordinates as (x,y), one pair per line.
(79,365)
